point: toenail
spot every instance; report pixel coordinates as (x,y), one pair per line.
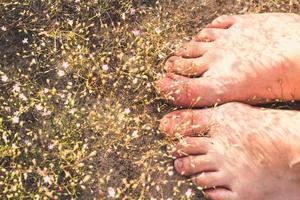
(179,165)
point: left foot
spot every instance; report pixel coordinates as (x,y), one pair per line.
(245,58)
(248,154)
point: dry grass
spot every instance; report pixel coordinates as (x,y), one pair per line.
(78,110)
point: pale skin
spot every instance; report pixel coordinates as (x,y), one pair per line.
(247,58)
(236,151)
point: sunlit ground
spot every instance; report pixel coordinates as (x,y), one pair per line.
(78,111)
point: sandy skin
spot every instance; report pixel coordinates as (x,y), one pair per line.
(247,153)
(247,58)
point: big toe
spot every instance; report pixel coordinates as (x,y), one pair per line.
(223,22)
(210,180)
(186,122)
(192,165)
(219,194)
(194,92)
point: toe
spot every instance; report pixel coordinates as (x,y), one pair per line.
(223,22)
(209,35)
(194,92)
(193,49)
(219,194)
(187,66)
(208,180)
(186,123)
(191,146)
(194,165)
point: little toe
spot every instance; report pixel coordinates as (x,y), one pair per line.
(210,180)
(192,165)
(209,35)
(223,22)
(193,49)
(191,146)
(219,194)
(186,123)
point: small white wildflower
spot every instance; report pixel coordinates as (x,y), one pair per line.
(16,87)
(132,11)
(4,78)
(15,120)
(46,90)
(25,41)
(111,192)
(188,193)
(70,22)
(135,81)
(127,111)
(46,113)
(4,137)
(136,32)
(170,173)
(28,143)
(65,65)
(23,97)
(3,28)
(51,146)
(72,111)
(135,133)
(47,180)
(60,73)
(158,30)
(105,67)
(39,107)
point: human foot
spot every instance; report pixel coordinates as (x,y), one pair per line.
(248,154)
(247,58)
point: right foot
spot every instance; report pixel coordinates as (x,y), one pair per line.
(248,153)
(247,58)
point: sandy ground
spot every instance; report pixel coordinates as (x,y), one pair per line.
(79,113)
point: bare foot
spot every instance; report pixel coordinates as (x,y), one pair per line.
(248,154)
(247,58)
